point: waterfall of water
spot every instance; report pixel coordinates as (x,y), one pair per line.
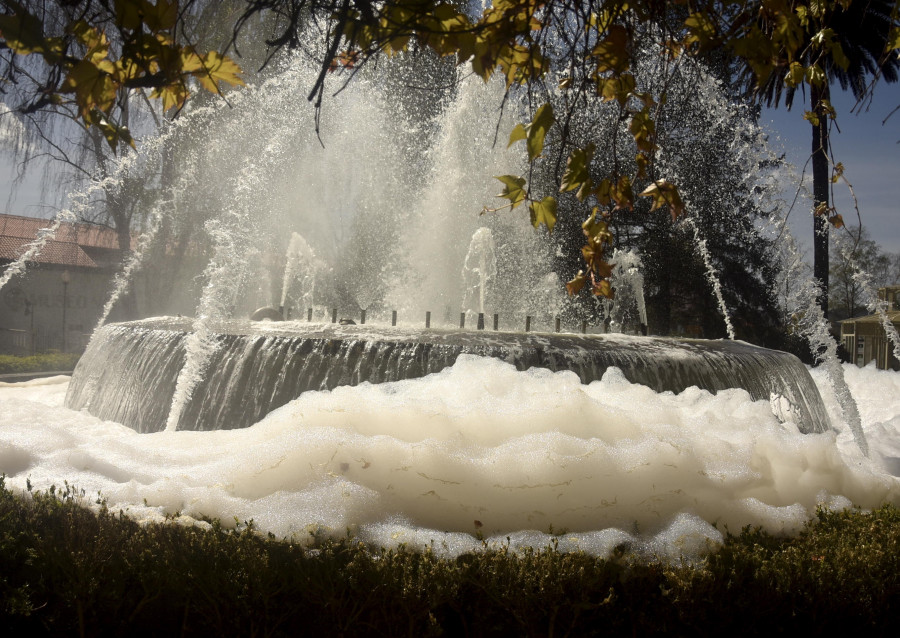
(127,372)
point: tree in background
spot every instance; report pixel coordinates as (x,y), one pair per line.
(856,251)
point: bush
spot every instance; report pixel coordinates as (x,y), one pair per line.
(47,362)
(65,570)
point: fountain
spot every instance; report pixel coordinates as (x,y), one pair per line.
(128,374)
(404,433)
(216,373)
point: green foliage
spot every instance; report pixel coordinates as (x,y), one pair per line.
(65,570)
(48,362)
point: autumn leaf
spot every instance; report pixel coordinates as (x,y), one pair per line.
(603,288)
(837,221)
(542,122)
(24,33)
(595,229)
(518,133)
(161,16)
(544,212)
(218,68)
(622,194)
(173,95)
(577,175)
(665,193)
(535,132)
(93,86)
(701,30)
(514,189)
(577,283)
(611,53)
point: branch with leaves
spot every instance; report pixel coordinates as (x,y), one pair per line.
(88,69)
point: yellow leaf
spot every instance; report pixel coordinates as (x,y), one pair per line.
(93,86)
(538,128)
(603,288)
(611,54)
(577,283)
(544,212)
(665,193)
(218,68)
(514,189)
(173,95)
(161,16)
(622,194)
(795,74)
(577,174)
(518,133)
(700,29)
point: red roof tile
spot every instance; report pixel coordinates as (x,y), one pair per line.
(65,249)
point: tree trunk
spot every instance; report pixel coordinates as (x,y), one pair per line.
(820,194)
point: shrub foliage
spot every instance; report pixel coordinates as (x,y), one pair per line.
(48,362)
(66,570)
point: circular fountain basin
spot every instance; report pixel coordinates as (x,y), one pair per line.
(129,371)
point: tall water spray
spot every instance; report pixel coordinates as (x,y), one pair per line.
(299,284)
(628,309)
(479,268)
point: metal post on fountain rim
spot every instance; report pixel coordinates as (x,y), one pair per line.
(309,314)
(496,322)
(556,326)
(584,326)
(481,321)
(393,317)
(334,315)
(427,318)
(527,323)
(362,316)
(462,320)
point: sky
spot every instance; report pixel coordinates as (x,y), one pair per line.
(868,148)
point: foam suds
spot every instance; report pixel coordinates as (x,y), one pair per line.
(477,450)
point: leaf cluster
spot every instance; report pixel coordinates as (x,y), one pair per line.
(95,51)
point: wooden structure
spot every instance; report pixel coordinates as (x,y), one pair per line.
(865,338)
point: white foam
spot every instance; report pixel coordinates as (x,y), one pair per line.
(477,451)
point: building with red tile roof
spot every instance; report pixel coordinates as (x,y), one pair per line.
(55,303)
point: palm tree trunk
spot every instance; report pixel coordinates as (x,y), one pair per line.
(820,194)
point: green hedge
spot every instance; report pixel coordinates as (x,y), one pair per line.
(38,363)
(66,571)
